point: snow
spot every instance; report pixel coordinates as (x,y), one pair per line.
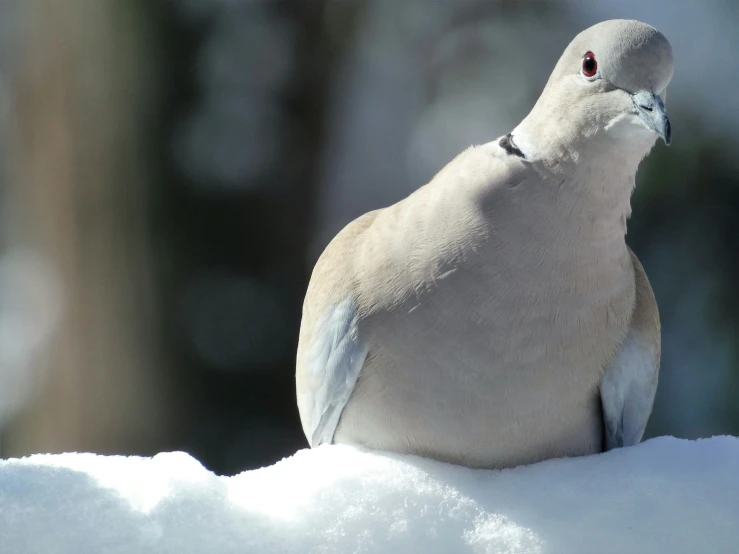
(665,495)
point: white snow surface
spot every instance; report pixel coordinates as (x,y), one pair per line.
(665,495)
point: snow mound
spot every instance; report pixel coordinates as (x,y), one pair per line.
(665,495)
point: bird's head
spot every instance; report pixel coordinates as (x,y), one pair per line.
(606,92)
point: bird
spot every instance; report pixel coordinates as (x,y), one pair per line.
(496,317)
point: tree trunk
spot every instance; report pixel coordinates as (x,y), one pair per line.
(79,180)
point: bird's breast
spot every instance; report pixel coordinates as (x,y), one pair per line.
(495,364)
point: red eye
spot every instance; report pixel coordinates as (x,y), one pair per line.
(589,65)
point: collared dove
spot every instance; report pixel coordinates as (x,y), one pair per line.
(496,317)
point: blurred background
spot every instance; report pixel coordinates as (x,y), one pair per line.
(171,170)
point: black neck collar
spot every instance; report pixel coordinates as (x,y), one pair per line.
(507,144)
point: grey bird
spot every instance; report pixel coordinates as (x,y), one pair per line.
(496,317)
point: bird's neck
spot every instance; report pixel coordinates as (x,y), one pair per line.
(563,145)
(597,167)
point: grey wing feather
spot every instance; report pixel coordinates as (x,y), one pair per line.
(332,365)
(630,381)
(627,392)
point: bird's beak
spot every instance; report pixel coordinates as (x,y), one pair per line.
(651,109)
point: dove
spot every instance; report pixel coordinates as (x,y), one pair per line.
(496,317)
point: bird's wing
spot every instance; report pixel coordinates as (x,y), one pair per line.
(330,369)
(630,381)
(330,354)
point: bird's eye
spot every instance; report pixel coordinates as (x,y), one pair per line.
(589,65)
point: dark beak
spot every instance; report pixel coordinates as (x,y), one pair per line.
(651,110)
